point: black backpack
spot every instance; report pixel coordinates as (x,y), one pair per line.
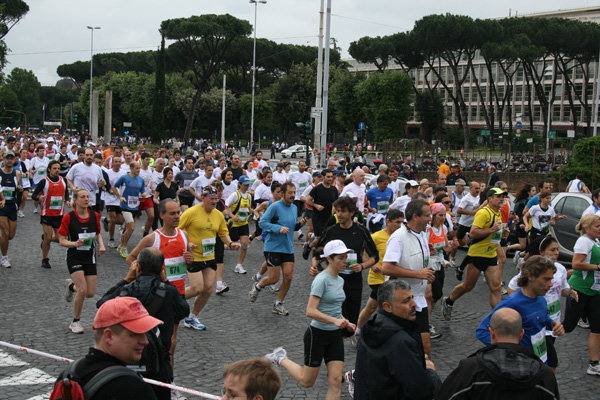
(150,365)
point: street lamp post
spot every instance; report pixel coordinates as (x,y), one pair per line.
(255,2)
(91,28)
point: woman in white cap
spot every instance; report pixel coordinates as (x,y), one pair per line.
(323,338)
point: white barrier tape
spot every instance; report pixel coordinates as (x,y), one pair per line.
(150,381)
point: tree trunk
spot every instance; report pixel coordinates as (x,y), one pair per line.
(191,114)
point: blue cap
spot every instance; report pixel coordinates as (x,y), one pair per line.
(244,180)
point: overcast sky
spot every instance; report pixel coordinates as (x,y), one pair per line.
(54,31)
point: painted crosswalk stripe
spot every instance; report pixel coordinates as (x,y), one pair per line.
(31,376)
(6,360)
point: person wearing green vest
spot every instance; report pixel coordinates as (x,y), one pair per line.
(586,281)
(239,202)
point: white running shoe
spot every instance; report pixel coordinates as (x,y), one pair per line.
(35,210)
(239,269)
(593,369)
(274,357)
(5,262)
(222,288)
(76,327)
(21,214)
(68,292)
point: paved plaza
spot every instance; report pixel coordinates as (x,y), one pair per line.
(34,314)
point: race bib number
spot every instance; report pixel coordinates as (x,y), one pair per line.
(88,241)
(596,285)
(176,269)
(553,309)
(186,184)
(56,202)
(302,184)
(352,259)
(133,202)
(496,237)
(538,342)
(41,172)
(382,206)
(8,192)
(243,214)
(208,247)
(50,157)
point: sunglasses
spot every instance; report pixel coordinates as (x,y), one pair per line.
(446,202)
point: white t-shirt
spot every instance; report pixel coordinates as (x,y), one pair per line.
(228,189)
(358,191)
(261,164)
(147,177)
(86,177)
(468,203)
(251,175)
(40,165)
(263,192)
(217,173)
(456,198)
(401,203)
(109,199)
(592,209)
(197,184)
(301,180)
(306,192)
(559,283)
(540,218)
(584,245)
(393,254)
(157,177)
(280,177)
(233,198)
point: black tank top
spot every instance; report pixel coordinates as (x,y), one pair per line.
(8,182)
(85,254)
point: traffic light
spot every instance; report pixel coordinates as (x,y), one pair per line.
(305,132)
(74,119)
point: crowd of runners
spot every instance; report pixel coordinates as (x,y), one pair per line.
(197,206)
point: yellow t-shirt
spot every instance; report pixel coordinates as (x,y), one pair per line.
(380,238)
(488,246)
(444,169)
(202,230)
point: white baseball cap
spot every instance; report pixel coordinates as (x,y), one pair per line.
(335,247)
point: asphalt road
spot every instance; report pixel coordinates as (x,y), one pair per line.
(34,314)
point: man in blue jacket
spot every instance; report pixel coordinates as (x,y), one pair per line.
(390,360)
(280,220)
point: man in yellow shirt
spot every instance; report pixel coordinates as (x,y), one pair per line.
(393,219)
(203,223)
(486,233)
(444,168)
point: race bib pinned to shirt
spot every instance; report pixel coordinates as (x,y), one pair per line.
(133,202)
(88,241)
(56,202)
(538,342)
(208,246)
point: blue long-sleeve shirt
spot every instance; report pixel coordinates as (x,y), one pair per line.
(287,216)
(534,314)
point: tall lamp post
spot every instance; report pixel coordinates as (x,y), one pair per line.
(255,2)
(91,28)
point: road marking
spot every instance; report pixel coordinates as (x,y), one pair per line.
(31,376)
(6,360)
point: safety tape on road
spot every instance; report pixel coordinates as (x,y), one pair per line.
(150,381)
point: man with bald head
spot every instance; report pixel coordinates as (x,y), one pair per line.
(357,189)
(503,370)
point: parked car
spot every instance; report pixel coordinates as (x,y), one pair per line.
(295,151)
(572,205)
(273,164)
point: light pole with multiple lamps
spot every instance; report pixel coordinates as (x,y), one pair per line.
(91,28)
(255,2)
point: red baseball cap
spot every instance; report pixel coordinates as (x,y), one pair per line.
(127,311)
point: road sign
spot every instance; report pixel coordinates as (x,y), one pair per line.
(361,125)
(571,133)
(529,140)
(505,133)
(518,131)
(551,134)
(315,112)
(126,124)
(485,132)
(355,136)
(519,124)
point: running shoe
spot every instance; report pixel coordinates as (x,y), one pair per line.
(35,210)
(21,214)
(46,263)
(76,327)
(105,223)
(222,288)
(276,356)
(122,230)
(239,269)
(446,309)
(255,278)
(273,288)
(300,236)
(593,369)
(5,262)
(349,378)
(280,309)
(433,333)
(194,323)
(583,324)
(503,290)
(516,257)
(123,251)
(306,250)
(68,292)
(253,293)
(112,244)
(452,262)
